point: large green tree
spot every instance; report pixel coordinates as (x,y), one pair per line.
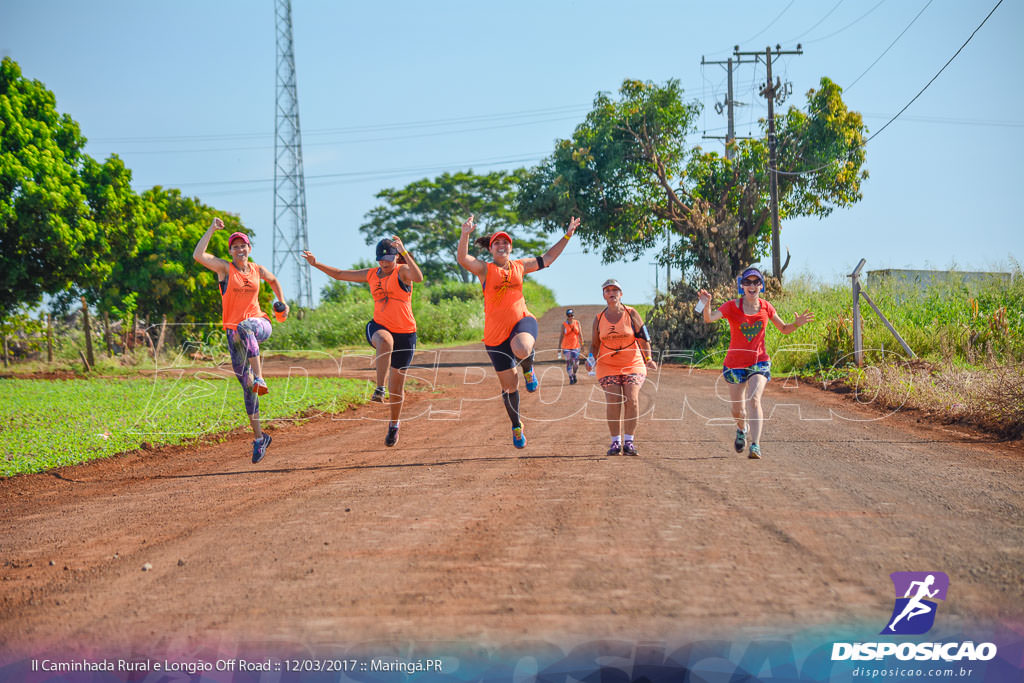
(427,215)
(63,216)
(161,277)
(628,172)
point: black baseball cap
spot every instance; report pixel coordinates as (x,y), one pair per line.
(386,250)
(569,312)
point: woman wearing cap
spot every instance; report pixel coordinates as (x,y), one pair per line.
(510,330)
(392,331)
(246,325)
(622,347)
(747,366)
(570,343)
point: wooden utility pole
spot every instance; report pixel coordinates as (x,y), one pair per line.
(88,335)
(774,92)
(727,106)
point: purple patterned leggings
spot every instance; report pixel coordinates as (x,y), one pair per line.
(243,344)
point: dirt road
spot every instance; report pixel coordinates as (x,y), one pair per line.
(454,535)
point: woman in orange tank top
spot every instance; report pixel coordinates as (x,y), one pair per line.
(246,324)
(510,330)
(392,331)
(622,347)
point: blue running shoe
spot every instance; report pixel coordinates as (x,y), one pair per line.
(259,447)
(531,380)
(392,438)
(741,440)
(518,438)
(755,452)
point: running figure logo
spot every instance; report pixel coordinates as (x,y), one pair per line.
(914,612)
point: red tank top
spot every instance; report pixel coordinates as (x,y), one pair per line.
(239,299)
(392,305)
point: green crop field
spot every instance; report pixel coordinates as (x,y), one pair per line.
(53,423)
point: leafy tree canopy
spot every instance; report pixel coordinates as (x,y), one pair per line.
(628,173)
(62,214)
(427,215)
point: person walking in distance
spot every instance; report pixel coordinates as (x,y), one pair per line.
(247,326)
(622,348)
(570,343)
(392,331)
(510,330)
(747,366)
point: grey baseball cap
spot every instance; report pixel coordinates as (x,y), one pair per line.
(611,282)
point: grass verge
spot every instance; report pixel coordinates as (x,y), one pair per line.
(54,423)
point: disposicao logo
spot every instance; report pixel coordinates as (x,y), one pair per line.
(913,613)
(915,607)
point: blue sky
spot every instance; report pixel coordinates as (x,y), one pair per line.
(390,92)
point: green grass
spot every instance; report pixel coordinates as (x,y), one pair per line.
(950,323)
(54,423)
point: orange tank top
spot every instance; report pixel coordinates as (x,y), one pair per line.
(504,305)
(239,297)
(573,334)
(392,304)
(619,353)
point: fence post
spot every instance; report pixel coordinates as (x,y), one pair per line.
(88,334)
(858,343)
(49,338)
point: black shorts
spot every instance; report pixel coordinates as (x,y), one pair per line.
(501,355)
(404,348)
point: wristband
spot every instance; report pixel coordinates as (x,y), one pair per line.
(404,253)
(567,236)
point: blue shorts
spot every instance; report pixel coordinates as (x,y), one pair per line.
(403,349)
(741,375)
(501,355)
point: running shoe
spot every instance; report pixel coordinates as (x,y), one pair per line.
(259,387)
(379,394)
(628,448)
(741,440)
(615,449)
(392,438)
(755,452)
(518,438)
(259,447)
(531,380)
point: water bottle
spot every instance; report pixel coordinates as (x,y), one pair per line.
(279,311)
(699,308)
(591,365)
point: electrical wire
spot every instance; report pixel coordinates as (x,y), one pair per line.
(847,88)
(827,15)
(818,40)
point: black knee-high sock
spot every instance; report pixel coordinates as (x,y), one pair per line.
(512,406)
(527,362)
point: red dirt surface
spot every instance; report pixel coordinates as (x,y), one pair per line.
(454,535)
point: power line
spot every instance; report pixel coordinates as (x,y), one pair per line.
(890,45)
(819,22)
(818,40)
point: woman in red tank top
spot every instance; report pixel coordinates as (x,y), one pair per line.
(510,330)
(747,367)
(622,347)
(246,325)
(392,331)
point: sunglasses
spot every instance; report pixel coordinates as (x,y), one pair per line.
(749,282)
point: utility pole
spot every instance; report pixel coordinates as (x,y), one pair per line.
(727,106)
(773,92)
(290,234)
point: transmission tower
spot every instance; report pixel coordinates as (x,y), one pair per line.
(290,235)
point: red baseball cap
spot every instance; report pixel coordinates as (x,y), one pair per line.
(239,235)
(498,234)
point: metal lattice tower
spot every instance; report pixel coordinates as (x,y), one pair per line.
(290,235)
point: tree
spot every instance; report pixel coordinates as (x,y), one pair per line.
(628,173)
(427,215)
(57,205)
(161,277)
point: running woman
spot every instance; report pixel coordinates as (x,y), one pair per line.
(392,331)
(570,342)
(246,325)
(747,366)
(622,347)
(510,330)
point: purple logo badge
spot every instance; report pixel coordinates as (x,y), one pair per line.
(914,610)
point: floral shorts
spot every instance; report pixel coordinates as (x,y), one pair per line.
(621,380)
(741,375)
